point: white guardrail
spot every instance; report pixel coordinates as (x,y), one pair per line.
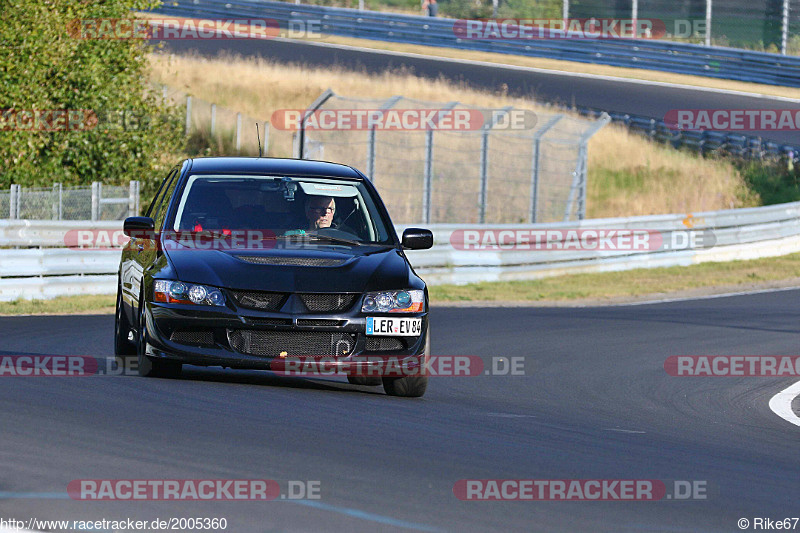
(52,270)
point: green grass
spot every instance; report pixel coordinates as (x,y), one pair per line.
(630,283)
(63,305)
(775,182)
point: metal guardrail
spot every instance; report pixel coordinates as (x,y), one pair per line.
(735,234)
(714,62)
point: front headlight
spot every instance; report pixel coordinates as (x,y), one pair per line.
(178,292)
(411,301)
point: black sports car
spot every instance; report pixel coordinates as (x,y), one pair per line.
(258,263)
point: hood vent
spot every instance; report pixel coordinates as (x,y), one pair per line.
(279,260)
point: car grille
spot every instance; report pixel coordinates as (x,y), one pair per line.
(292,261)
(291,343)
(384,344)
(328,303)
(196,337)
(264,301)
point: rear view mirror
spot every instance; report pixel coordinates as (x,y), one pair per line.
(417,239)
(139,227)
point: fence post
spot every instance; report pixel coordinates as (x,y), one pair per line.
(13,201)
(57,209)
(485,131)
(238,132)
(428,181)
(213,119)
(164,93)
(579,174)
(133,198)
(371,138)
(95,200)
(537,139)
(316,104)
(188,115)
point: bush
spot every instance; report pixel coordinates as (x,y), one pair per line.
(44,67)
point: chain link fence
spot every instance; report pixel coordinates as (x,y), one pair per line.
(95,202)
(502,170)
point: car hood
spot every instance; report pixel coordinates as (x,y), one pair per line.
(325,269)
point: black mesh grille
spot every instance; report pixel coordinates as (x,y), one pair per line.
(291,343)
(198,337)
(384,344)
(292,261)
(319,322)
(265,301)
(328,303)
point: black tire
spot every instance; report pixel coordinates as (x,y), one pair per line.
(409,386)
(364,380)
(122,326)
(149,367)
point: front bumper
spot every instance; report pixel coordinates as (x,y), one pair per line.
(251,339)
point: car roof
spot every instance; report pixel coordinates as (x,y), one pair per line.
(270,165)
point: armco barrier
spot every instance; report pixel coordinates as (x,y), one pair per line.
(737,234)
(714,62)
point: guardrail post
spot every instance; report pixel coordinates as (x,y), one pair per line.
(537,139)
(96,200)
(188,115)
(428,180)
(238,132)
(213,119)
(57,209)
(13,202)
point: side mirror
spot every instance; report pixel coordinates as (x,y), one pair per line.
(139,227)
(417,239)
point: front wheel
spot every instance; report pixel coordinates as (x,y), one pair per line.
(409,386)
(122,327)
(149,367)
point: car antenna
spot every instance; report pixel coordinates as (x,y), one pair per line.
(258,138)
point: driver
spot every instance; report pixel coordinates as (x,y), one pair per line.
(319,211)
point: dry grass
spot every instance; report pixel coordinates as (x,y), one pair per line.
(628,175)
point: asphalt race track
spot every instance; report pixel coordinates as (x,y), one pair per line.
(561,88)
(595,403)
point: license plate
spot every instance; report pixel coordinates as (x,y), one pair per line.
(398,327)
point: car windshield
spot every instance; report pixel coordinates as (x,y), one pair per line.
(321,211)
